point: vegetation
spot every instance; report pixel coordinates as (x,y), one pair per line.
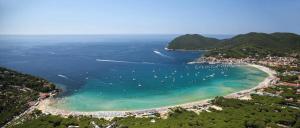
(39,120)
(260,112)
(193,42)
(287,93)
(289,78)
(244,45)
(282,69)
(17,90)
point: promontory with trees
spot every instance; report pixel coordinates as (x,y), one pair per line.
(244,45)
(279,51)
(18,92)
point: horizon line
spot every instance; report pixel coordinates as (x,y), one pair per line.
(99,34)
(60,34)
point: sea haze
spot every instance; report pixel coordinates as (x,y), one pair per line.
(121,72)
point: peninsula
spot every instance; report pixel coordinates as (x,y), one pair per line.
(252,44)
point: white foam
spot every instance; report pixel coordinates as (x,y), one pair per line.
(159,53)
(148,63)
(120,61)
(114,61)
(63,76)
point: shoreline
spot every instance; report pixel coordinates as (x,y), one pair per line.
(45,107)
(267,82)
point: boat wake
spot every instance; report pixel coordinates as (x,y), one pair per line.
(63,76)
(120,61)
(161,54)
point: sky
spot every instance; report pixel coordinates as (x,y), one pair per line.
(38,17)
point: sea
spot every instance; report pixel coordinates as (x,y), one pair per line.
(122,72)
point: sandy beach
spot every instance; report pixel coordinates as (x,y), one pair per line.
(45,106)
(269,81)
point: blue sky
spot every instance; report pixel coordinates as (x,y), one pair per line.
(148,16)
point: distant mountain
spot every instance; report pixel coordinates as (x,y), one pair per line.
(193,42)
(243,45)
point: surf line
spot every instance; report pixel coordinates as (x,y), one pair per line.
(120,61)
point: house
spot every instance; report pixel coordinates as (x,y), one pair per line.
(43,95)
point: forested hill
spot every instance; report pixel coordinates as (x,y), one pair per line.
(18,92)
(243,45)
(193,42)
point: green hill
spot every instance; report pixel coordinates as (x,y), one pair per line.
(243,45)
(193,42)
(17,90)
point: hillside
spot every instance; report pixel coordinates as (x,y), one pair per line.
(244,45)
(18,92)
(193,42)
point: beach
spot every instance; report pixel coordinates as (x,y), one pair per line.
(269,81)
(45,105)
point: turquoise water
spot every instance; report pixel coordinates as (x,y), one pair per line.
(104,73)
(97,95)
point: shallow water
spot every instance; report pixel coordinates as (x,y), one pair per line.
(101,73)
